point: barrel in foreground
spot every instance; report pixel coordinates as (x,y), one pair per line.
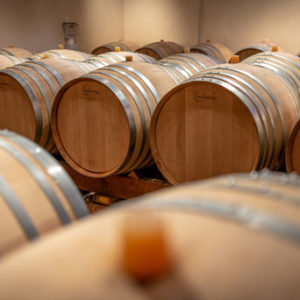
(36,194)
(206,246)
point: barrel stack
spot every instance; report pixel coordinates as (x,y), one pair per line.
(101,121)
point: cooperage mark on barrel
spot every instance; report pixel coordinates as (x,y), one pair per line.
(203,99)
(4,84)
(88,91)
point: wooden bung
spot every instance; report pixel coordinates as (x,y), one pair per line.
(224,237)
(235,59)
(198,129)
(145,251)
(34,199)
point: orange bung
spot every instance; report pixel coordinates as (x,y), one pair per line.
(145,251)
(235,59)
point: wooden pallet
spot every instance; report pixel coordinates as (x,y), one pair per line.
(103,192)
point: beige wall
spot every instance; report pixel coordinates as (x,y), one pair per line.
(149,21)
(238,23)
(37,24)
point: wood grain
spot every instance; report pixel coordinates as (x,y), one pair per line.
(101,122)
(27,92)
(212,257)
(31,196)
(205,128)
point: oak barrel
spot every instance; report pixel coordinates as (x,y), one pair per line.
(161,49)
(292,155)
(62,53)
(227,119)
(188,64)
(36,194)
(258,47)
(8,61)
(110,47)
(13,51)
(27,92)
(215,50)
(284,64)
(219,249)
(109,58)
(101,121)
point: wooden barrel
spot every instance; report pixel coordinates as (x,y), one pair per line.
(217,250)
(36,194)
(292,155)
(109,58)
(110,47)
(27,92)
(227,119)
(62,53)
(19,52)
(101,121)
(188,64)
(215,50)
(284,64)
(258,47)
(8,61)
(161,49)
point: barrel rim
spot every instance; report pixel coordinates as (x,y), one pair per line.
(58,140)
(153,143)
(289,147)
